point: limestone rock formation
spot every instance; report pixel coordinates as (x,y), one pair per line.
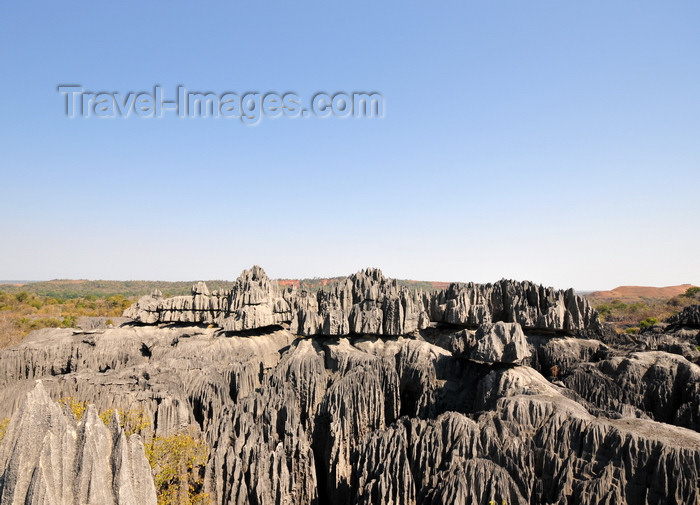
(46,458)
(532,448)
(364,303)
(662,386)
(493,343)
(477,393)
(367,303)
(689,317)
(530,305)
(254,302)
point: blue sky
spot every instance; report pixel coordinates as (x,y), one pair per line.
(545,140)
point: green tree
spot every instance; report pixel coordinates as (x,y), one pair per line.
(691,292)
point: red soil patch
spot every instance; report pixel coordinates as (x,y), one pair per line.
(637,293)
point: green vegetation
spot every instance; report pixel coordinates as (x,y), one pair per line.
(23,311)
(178,464)
(68,289)
(131,420)
(692,292)
(630,317)
(177,460)
(649,321)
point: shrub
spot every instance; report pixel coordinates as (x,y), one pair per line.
(131,420)
(77,407)
(44,322)
(22,297)
(178,461)
(691,292)
(3,428)
(649,321)
(631,331)
(637,307)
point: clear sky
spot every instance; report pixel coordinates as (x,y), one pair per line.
(544,140)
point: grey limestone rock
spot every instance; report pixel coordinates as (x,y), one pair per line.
(374,404)
(46,458)
(689,317)
(528,304)
(493,343)
(663,386)
(364,303)
(254,302)
(367,303)
(533,446)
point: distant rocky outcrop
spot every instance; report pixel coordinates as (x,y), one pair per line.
(530,305)
(364,303)
(688,317)
(46,458)
(254,302)
(367,303)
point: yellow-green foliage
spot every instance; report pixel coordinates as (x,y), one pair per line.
(692,292)
(23,312)
(178,461)
(3,428)
(622,315)
(649,321)
(131,420)
(76,406)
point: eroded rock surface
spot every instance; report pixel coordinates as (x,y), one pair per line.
(254,302)
(468,395)
(689,317)
(46,458)
(367,303)
(493,343)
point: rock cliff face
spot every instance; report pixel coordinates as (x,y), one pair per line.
(530,305)
(479,398)
(367,303)
(46,458)
(364,303)
(493,343)
(254,302)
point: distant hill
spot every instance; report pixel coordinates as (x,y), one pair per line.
(81,288)
(638,293)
